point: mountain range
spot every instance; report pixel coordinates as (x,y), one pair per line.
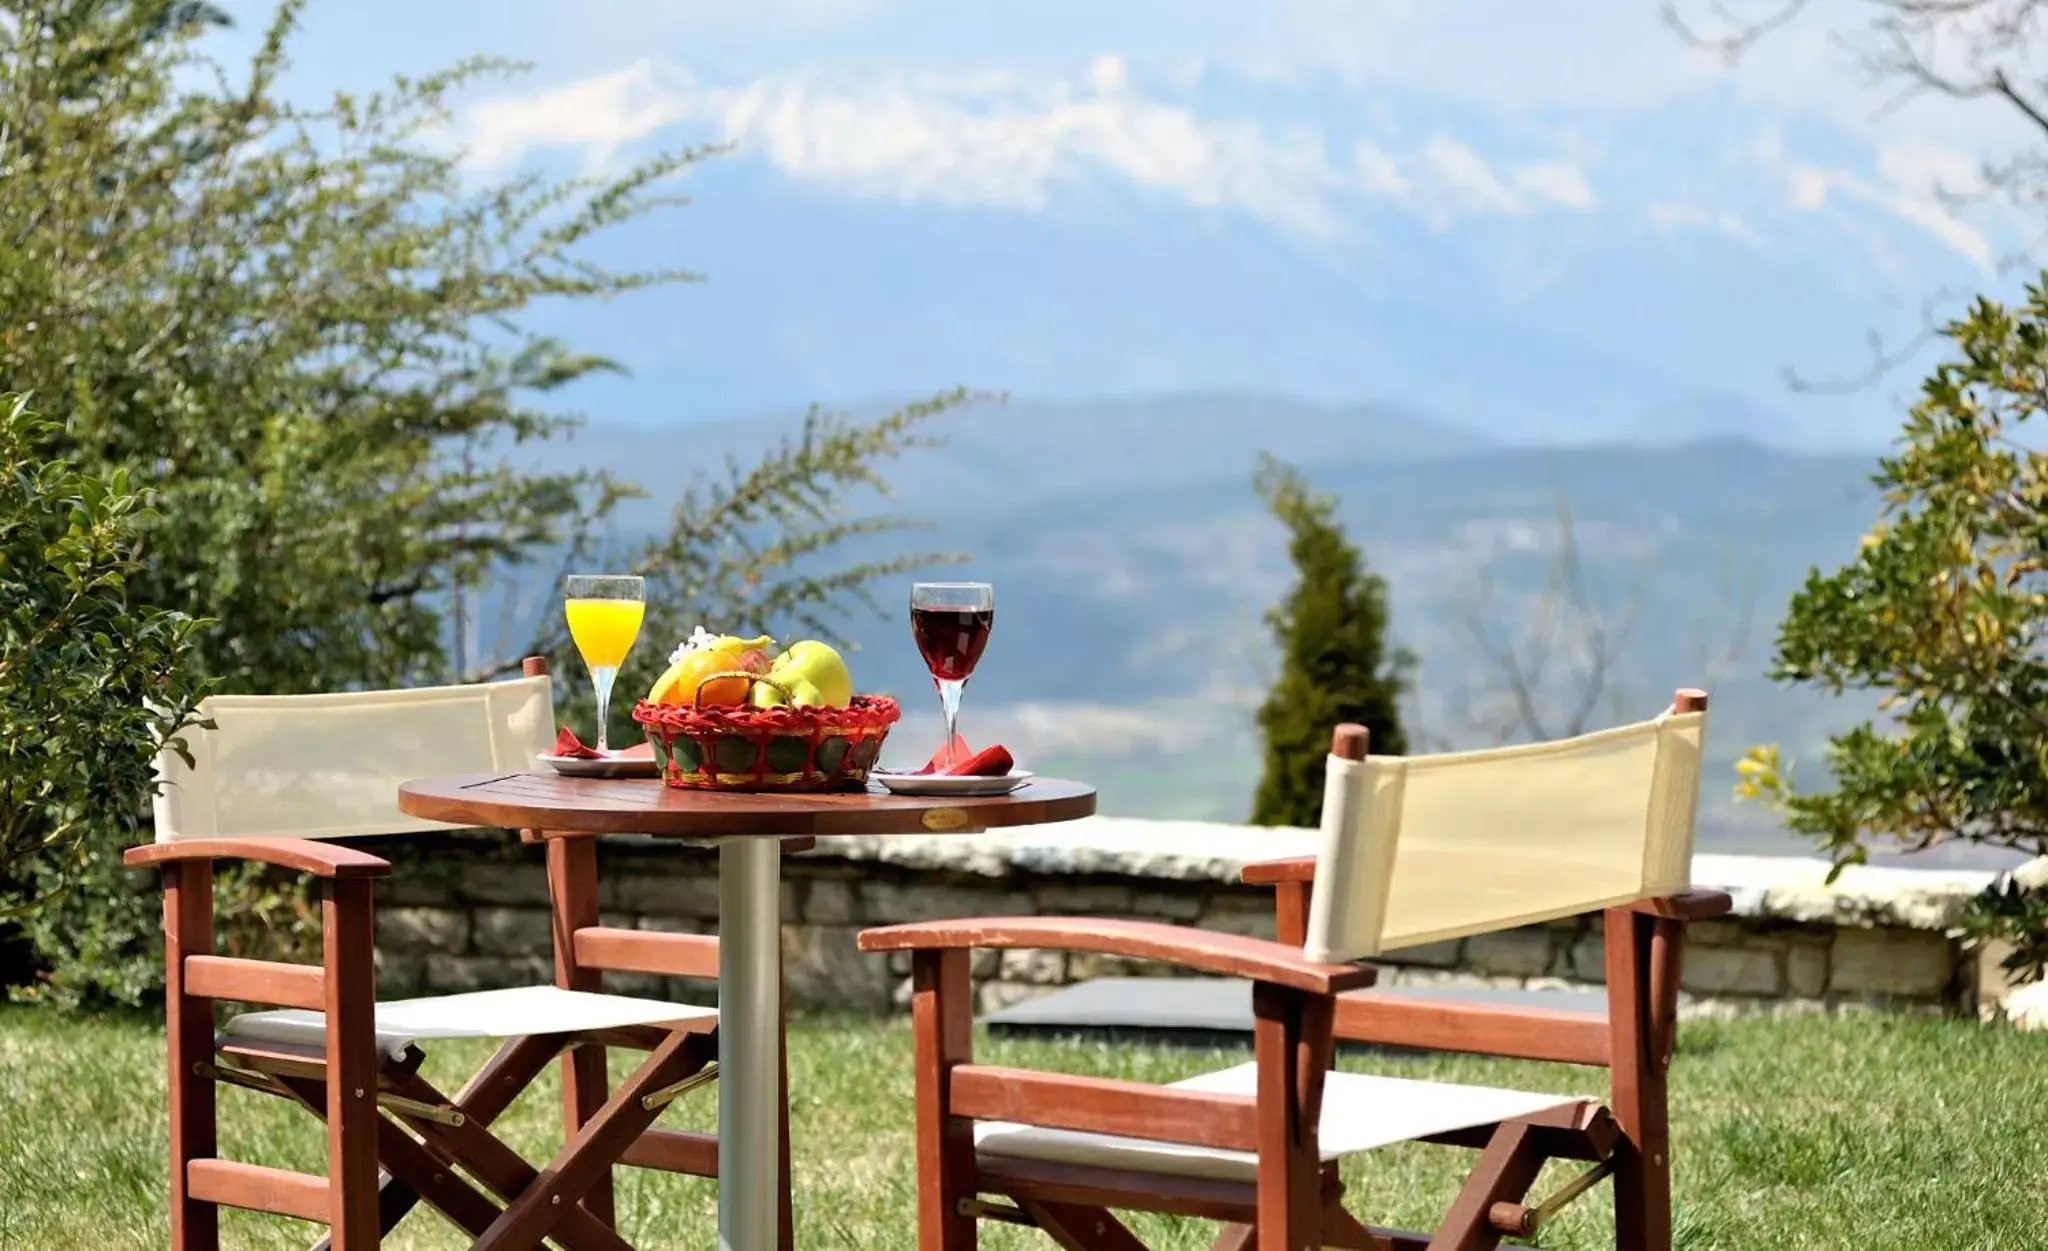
(1133,565)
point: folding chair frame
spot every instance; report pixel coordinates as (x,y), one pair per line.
(381,1115)
(1301,1009)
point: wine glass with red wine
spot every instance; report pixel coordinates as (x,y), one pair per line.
(951,622)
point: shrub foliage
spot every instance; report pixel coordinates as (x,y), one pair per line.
(307,329)
(1335,665)
(1943,613)
(90,683)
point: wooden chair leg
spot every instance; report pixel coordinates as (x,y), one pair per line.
(188,931)
(942,1031)
(428,1167)
(1345,1232)
(590,1155)
(1642,1202)
(1236,1237)
(483,1099)
(1506,1169)
(572,883)
(502,1170)
(585,1087)
(1341,1232)
(486,1096)
(1076,1227)
(1642,987)
(349,967)
(1291,1045)
(414,1170)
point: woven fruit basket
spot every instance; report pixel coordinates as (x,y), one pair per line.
(726,747)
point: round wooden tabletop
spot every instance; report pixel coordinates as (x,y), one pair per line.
(549,803)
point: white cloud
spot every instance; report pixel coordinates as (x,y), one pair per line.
(1468,182)
(1462,183)
(1558,182)
(1925,170)
(1807,188)
(597,115)
(1378,174)
(886,110)
(1671,217)
(1902,191)
(959,140)
(920,141)
(999,140)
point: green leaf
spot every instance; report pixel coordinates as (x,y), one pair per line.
(1942,612)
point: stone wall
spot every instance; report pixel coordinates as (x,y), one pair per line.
(466,912)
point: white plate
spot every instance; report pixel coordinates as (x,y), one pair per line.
(612,766)
(940,784)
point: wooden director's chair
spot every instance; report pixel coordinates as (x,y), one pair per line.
(275,779)
(1414,850)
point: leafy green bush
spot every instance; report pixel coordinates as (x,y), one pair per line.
(1944,613)
(2014,909)
(306,327)
(90,682)
(1334,662)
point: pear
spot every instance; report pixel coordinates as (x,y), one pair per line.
(818,666)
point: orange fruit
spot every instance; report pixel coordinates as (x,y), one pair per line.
(679,685)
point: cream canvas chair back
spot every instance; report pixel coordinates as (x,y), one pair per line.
(1422,848)
(329,766)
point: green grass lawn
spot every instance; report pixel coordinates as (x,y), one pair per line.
(1864,1132)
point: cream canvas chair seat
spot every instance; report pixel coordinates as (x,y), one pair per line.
(1360,1112)
(510,1013)
(278,779)
(1414,850)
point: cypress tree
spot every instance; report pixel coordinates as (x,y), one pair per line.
(1334,662)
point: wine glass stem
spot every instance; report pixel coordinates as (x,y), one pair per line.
(949,699)
(603,678)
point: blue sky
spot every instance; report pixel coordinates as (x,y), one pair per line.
(1547,221)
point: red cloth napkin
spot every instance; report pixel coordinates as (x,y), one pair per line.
(989,762)
(567,744)
(937,763)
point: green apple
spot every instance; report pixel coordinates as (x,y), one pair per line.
(803,693)
(816,665)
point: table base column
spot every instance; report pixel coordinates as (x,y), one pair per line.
(749,1042)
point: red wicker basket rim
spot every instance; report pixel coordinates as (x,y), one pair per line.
(866,712)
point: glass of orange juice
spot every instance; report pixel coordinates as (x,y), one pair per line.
(604,613)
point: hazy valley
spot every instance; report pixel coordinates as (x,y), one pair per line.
(1133,564)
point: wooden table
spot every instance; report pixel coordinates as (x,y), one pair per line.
(748,828)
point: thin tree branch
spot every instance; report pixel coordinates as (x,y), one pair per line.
(1740,35)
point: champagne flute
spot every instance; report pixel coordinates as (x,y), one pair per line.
(604,612)
(951,622)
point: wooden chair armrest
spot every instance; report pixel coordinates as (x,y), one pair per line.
(1274,872)
(1228,955)
(1689,905)
(305,855)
